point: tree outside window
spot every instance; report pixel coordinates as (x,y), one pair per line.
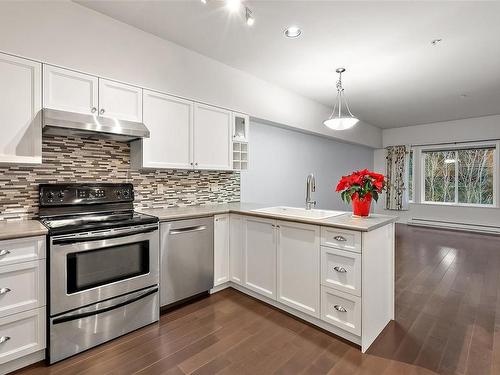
(463,176)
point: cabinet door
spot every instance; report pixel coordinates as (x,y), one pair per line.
(221,249)
(170,122)
(299,267)
(20,105)
(71,91)
(260,256)
(22,287)
(212,138)
(120,101)
(236,249)
(25,332)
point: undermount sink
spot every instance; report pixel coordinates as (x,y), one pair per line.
(299,212)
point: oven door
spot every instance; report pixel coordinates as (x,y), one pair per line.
(87,268)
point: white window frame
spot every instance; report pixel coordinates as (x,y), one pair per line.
(413,169)
(459,146)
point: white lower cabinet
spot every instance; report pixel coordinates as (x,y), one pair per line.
(22,334)
(340,280)
(236,248)
(221,249)
(259,255)
(22,302)
(341,309)
(341,270)
(21,287)
(298,266)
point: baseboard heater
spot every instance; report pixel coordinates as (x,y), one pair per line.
(453,225)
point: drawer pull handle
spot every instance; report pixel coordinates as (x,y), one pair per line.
(4,252)
(4,339)
(340,238)
(4,291)
(340,269)
(339,308)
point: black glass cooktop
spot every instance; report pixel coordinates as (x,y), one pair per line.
(95,221)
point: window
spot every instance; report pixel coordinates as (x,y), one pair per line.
(459,176)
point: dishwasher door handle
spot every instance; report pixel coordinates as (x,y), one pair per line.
(198,228)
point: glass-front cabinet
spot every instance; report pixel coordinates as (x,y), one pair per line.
(240,141)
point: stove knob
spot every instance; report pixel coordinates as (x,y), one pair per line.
(61,194)
(125,193)
(118,193)
(50,195)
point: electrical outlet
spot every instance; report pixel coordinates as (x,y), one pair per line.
(159,189)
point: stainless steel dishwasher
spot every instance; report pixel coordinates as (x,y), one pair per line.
(187,259)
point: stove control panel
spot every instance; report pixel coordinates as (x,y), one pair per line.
(78,194)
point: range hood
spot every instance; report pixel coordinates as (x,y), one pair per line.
(57,122)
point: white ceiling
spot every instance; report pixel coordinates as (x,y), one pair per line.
(394,77)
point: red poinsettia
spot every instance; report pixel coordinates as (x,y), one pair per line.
(361,184)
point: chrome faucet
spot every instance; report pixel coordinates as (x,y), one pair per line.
(310,188)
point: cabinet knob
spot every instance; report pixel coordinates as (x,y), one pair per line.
(340,269)
(4,291)
(4,252)
(4,339)
(339,238)
(93,110)
(195,164)
(340,308)
(101,111)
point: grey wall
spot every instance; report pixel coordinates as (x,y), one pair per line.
(281,159)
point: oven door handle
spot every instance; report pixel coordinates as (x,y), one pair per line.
(71,240)
(69,318)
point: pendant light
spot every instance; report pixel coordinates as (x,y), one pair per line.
(341,117)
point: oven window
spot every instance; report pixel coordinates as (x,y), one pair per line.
(90,269)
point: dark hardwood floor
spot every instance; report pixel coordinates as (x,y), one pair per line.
(447,286)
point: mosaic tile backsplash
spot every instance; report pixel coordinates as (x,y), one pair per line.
(67,159)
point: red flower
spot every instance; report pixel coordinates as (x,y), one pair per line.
(361,184)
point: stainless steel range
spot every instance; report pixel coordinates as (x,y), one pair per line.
(103,268)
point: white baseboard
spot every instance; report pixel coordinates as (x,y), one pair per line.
(452,225)
(19,363)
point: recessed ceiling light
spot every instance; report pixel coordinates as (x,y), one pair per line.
(435,42)
(203,1)
(292,32)
(233,5)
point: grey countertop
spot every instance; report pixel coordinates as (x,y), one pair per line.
(21,228)
(346,221)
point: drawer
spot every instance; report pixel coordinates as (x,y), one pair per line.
(22,334)
(341,270)
(341,239)
(341,309)
(22,250)
(22,287)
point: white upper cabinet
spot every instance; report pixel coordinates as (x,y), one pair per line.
(20,110)
(70,91)
(117,100)
(259,251)
(221,249)
(170,122)
(299,266)
(212,138)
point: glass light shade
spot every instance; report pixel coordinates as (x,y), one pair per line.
(341,123)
